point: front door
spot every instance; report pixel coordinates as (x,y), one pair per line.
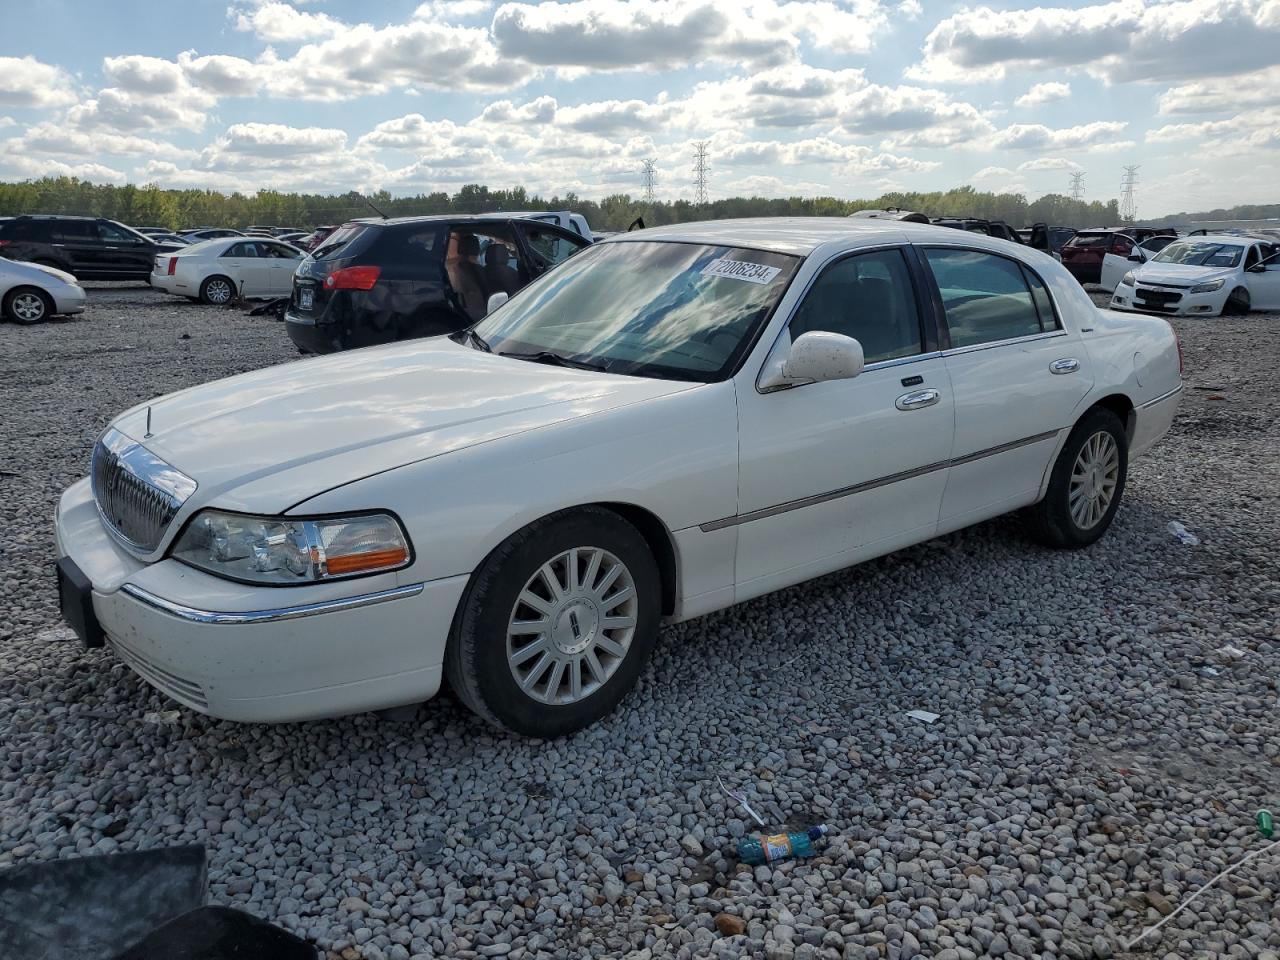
(1017,375)
(831,473)
(123,252)
(1264,286)
(281,262)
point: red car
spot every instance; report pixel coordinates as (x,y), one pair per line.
(315,238)
(1083,253)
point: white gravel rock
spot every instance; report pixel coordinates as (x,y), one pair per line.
(1087,773)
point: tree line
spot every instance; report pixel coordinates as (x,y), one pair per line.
(150,205)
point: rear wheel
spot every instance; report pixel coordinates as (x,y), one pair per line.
(1086,484)
(556,624)
(27,305)
(217,290)
(1238,304)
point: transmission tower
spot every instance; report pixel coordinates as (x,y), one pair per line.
(648,173)
(1128,206)
(700,169)
(1077,186)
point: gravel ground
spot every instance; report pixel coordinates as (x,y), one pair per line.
(1097,758)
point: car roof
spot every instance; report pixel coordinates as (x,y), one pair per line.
(468,218)
(1230,239)
(802,235)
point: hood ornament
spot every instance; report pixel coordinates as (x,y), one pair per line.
(147,435)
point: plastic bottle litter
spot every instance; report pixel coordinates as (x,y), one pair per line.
(780,846)
(1183,534)
(1266,826)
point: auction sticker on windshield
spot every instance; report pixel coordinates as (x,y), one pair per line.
(740,270)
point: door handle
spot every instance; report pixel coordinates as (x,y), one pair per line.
(1065,365)
(917,399)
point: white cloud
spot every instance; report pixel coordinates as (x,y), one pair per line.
(452,9)
(26,82)
(16,165)
(147,93)
(1245,132)
(1036,136)
(1048,163)
(1042,93)
(7,122)
(919,117)
(222,75)
(61,140)
(1121,41)
(992,173)
(1218,94)
(281,22)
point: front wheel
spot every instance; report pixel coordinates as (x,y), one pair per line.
(27,305)
(1238,304)
(1086,484)
(556,624)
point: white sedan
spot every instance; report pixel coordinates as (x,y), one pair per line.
(1204,276)
(218,271)
(31,292)
(670,422)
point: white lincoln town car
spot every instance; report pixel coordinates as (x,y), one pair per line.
(670,422)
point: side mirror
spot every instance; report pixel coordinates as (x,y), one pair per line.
(1136,257)
(814,357)
(497,300)
(1257,268)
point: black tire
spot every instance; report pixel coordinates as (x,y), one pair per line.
(214,283)
(476,661)
(1050,521)
(1238,304)
(20,304)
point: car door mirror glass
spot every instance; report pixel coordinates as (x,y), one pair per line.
(1137,257)
(497,300)
(821,355)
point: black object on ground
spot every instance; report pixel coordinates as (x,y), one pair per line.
(88,908)
(219,933)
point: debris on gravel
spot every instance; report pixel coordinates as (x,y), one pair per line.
(1096,760)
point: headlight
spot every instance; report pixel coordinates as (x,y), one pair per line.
(1127,280)
(1209,287)
(282,550)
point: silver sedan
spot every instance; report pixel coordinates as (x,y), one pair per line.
(31,292)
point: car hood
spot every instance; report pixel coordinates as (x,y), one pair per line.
(267,440)
(1180,274)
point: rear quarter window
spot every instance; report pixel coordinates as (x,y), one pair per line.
(418,247)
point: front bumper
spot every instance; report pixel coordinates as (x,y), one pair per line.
(1187,305)
(262,654)
(69,300)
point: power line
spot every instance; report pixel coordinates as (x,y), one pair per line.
(1077,186)
(1128,206)
(700,169)
(647,173)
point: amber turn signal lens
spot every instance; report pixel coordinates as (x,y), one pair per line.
(366,562)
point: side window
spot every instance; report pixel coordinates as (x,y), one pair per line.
(1252,258)
(277,252)
(241,250)
(74,231)
(986,297)
(1121,245)
(1043,302)
(549,247)
(110,233)
(868,297)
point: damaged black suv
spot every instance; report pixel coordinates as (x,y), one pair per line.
(380,281)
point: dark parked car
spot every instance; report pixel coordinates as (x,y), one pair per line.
(88,248)
(379,281)
(989,228)
(315,237)
(1083,253)
(1046,238)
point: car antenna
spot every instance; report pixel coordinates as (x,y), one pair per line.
(375,209)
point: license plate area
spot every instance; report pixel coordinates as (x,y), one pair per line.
(306,298)
(75,601)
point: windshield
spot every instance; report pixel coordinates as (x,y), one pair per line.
(1192,254)
(1089,240)
(677,310)
(333,243)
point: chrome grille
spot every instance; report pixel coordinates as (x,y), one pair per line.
(137,493)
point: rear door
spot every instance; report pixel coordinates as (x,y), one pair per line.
(1017,375)
(247,268)
(79,242)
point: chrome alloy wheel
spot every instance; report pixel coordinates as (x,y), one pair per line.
(572,625)
(218,292)
(27,307)
(1093,480)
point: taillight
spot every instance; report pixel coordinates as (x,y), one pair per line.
(5,243)
(173,265)
(353,278)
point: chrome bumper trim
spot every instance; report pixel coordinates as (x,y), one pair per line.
(1162,398)
(269,616)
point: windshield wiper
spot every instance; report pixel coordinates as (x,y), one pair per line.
(558,360)
(470,336)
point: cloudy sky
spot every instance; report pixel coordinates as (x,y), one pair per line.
(834,97)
